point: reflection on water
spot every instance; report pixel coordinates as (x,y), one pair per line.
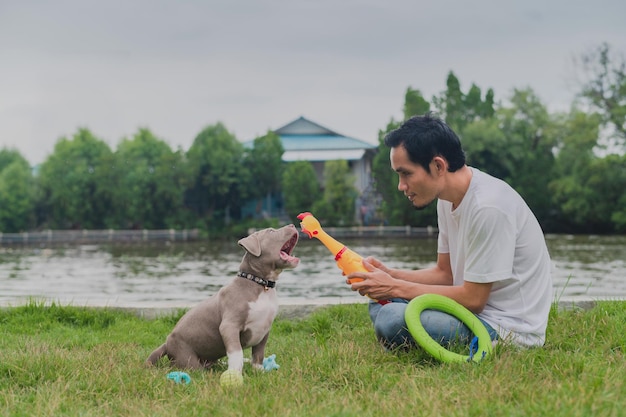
(589,265)
(183,274)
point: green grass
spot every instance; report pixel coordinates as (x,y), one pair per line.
(73,361)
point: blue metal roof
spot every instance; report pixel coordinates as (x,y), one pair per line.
(317,142)
(304,139)
(303,126)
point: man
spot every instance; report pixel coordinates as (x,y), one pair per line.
(492,256)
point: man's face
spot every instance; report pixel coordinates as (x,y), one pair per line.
(419,186)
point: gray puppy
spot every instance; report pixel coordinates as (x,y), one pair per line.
(240,314)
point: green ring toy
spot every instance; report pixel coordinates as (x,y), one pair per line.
(447,305)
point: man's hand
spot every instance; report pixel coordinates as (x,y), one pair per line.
(377,264)
(377,283)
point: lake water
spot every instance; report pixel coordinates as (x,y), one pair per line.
(166,275)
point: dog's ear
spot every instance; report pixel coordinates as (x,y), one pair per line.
(251,244)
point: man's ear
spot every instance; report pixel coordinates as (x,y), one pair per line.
(440,165)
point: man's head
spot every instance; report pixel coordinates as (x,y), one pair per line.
(425,137)
(424,150)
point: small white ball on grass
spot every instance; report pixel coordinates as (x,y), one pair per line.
(231,379)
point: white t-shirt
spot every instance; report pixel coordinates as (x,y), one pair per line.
(493,236)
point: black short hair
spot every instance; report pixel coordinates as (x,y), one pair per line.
(425,137)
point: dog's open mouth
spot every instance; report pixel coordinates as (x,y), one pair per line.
(287,250)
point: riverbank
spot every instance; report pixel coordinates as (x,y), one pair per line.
(82,237)
(287,310)
(299,311)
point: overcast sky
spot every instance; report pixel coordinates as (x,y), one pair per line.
(177,66)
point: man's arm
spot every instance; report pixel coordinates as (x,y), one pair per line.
(471,295)
(440,274)
(384,283)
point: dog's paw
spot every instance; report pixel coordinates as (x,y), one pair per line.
(231,379)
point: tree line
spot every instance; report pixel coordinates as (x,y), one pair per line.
(569,166)
(144,184)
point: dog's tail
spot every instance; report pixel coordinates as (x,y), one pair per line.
(156,355)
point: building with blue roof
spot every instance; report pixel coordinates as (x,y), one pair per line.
(305,140)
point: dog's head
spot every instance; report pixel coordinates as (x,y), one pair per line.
(269,251)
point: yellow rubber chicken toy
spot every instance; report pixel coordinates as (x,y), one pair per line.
(347,260)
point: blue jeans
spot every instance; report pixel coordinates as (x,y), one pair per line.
(391,330)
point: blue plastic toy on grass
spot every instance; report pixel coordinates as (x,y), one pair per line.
(270,364)
(179,377)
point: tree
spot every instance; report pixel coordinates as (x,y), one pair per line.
(451,103)
(17,193)
(151,183)
(337,207)
(75,192)
(266,165)
(301,188)
(9,156)
(488,105)
(610,190)
(577,135)
(475,107)
(605,88)
(530,140)
(218,176)
(172,176)
(473,104)
(414,103)
(607,178)
(486,148)
(460,109)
